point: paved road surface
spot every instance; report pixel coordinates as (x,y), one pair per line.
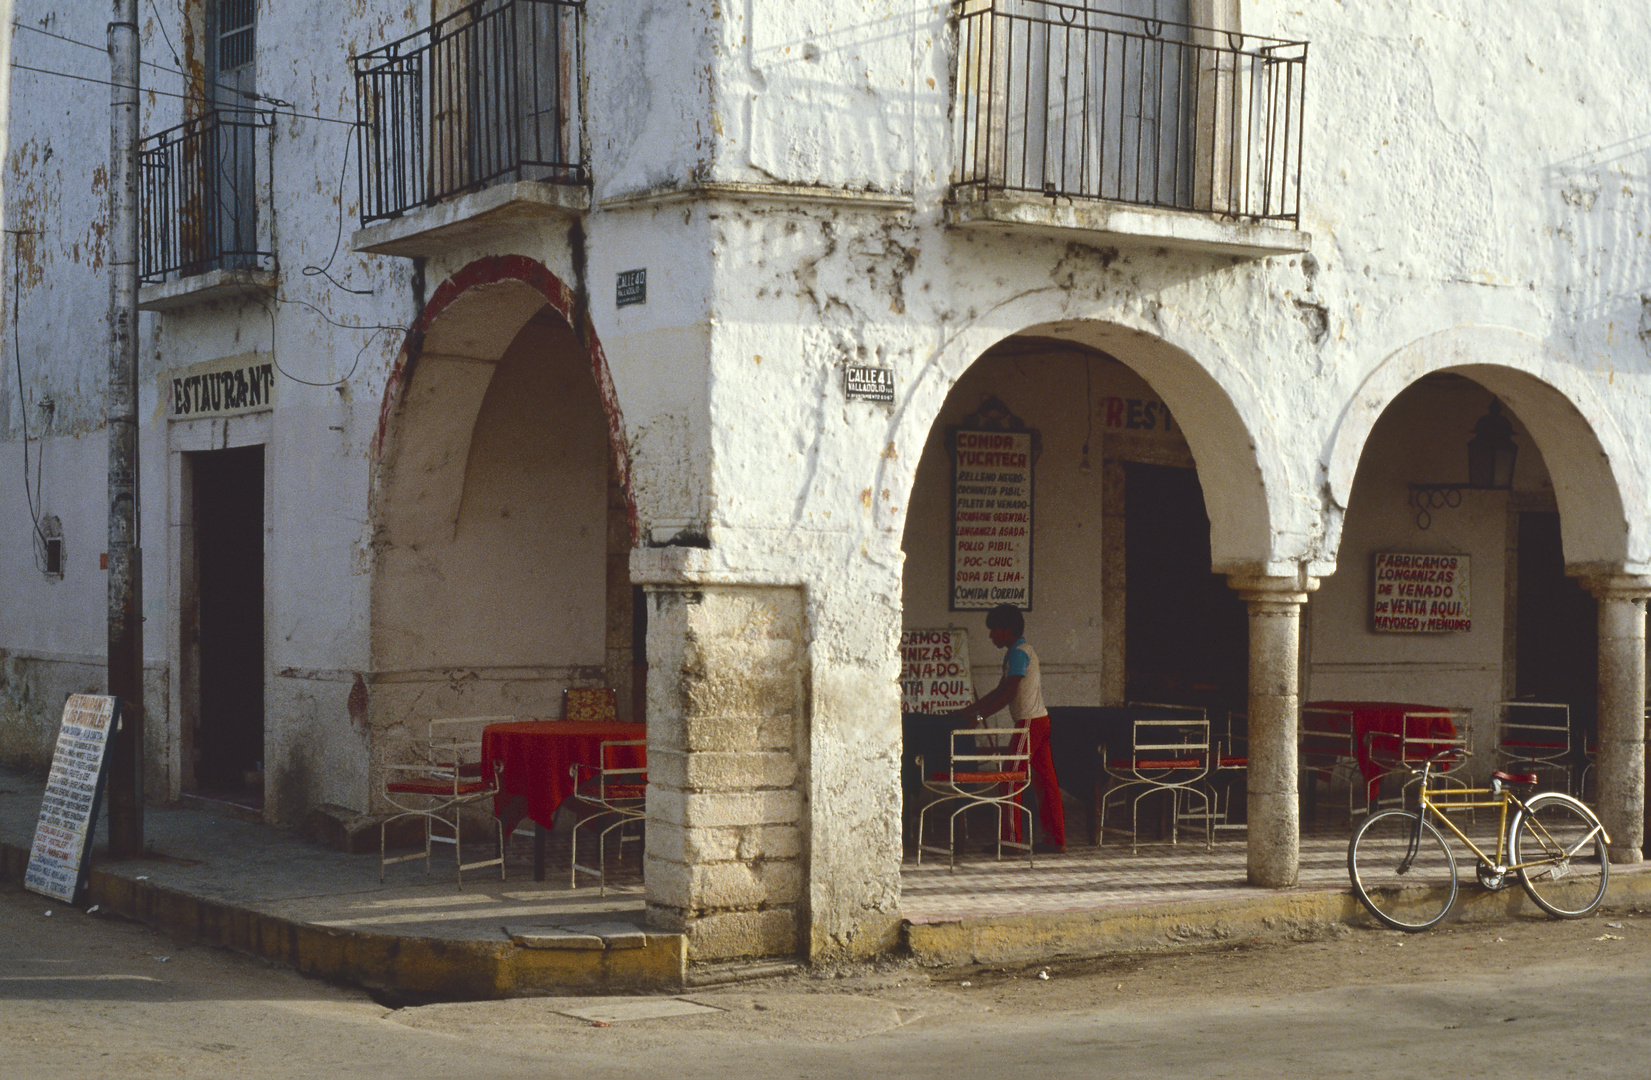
(88,997)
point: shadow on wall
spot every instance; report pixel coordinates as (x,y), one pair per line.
(1600,204)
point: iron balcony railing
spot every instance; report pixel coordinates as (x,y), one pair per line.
(487,95)
(199,188)
(1069,101)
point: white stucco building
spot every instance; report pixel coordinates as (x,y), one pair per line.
(418,440)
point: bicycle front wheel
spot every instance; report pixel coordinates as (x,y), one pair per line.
(1402,870)
(1565,844)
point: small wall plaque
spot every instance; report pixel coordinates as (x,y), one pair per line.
(869,383)
(631,288)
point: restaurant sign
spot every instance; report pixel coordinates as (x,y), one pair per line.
(934,671)
(992,519)
(1421,594)
(68,809)
(234,384)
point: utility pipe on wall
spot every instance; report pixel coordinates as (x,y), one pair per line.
(125,784)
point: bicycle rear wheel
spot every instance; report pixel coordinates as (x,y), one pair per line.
(1567,843)
(1406,877)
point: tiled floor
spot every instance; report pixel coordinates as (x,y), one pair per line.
(1084,879)
(1103,878)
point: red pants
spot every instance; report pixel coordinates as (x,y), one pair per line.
(1051,815)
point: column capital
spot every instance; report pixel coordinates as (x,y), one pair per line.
(1274,588)
(1609,586)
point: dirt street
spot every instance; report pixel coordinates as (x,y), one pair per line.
(92,997)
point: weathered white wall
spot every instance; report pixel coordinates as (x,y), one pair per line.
(1475,185)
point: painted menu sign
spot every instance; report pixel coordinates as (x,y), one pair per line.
(74,788)
(1421,594)
(992,520)
(934,671)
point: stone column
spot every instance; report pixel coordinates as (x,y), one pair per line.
(725,860)
(1274,855)
(1621,764)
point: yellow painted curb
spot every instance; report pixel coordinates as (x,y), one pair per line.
(415,966)
(1283,915)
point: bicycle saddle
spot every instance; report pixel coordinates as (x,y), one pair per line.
(1514,777)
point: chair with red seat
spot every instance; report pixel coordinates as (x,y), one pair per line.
(1422,734)
(1535,737)
(1232,757)
(440,788)
(987,767)
(1169,754)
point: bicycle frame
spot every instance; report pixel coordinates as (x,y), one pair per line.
(1499,797)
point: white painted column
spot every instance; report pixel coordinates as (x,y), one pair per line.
(1621,765)
(1274,855)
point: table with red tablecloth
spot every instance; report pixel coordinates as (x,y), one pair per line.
(536,755)
(1376,728)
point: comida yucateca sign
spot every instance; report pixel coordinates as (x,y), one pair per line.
(992,519)
(1421,594)
(234,384)
(74,788)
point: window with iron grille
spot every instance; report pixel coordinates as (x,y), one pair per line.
(237,30)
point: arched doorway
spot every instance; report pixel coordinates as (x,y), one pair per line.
(504,523)
(1122,603)
(1429,397)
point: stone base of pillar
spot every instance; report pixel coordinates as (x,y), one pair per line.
(725,850)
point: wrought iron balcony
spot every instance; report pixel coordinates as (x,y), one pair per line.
(199,189)
(488,95)
(1071,102)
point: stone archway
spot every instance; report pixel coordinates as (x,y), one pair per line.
(1256,536)
(1602,511)
(502,514)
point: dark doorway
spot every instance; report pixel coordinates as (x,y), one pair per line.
(1186,634)
(1556,628)
(229,575)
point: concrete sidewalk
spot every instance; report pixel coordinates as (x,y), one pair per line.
(213,877)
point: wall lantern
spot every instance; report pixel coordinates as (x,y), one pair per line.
(1491,455)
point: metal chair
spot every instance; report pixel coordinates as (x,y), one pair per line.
(1422,734)
(1325,754)
(981,771)
(1535,737)
(1232,756)
(597,704)
(614,791)
(451,778)
(1170,752)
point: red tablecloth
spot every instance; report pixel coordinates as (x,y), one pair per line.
(1377,724)
(536,755)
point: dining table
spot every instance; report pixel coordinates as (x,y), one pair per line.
(1383,731)
(537,754)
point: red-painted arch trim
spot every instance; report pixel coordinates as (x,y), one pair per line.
(491,271)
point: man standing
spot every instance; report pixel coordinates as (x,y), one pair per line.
(1021,689)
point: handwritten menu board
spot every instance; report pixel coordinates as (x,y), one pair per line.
(992,520)
(934,671)
(74,788)
(1421,594)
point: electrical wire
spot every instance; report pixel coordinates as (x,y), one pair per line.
(162,67)
(33,497)
(285,109)
(338,239)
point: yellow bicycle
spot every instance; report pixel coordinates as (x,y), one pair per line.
(1404,872)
